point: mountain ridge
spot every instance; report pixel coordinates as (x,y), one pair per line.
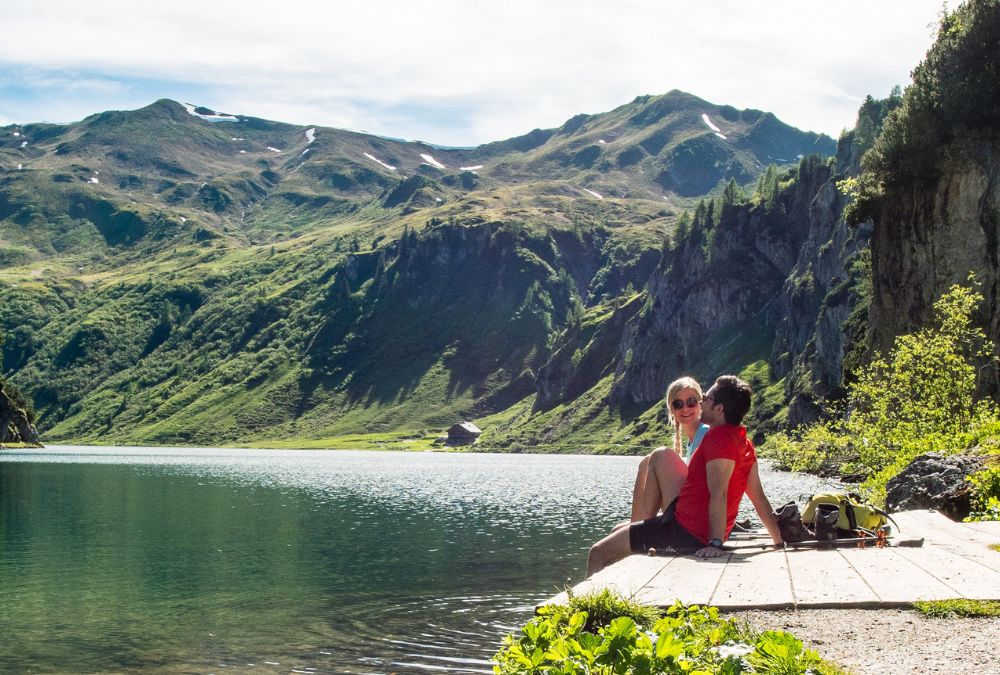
(172,279)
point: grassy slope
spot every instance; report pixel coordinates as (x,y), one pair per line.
(178,298)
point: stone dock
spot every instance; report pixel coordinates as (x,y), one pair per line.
(953,561)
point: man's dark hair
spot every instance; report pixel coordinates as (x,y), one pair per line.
(734,395)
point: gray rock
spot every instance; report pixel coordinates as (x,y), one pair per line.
(934,481)
(14,424)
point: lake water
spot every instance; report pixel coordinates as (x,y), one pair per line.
(208,560)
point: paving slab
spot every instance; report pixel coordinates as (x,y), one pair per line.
(954,562)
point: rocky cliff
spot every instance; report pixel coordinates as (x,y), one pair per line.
(14,424)
(931,182)
(765,280)
(931,235)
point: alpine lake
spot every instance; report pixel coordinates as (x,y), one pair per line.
(335,561)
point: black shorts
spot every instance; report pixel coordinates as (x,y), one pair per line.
(662,533)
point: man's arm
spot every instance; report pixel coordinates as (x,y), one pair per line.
(717,474)
(755,491)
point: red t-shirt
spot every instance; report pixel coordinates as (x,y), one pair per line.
(726,441)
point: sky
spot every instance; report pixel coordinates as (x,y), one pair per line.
(455,72)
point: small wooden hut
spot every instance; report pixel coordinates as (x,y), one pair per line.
(463,433)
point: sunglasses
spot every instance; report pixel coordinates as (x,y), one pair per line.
(690,402)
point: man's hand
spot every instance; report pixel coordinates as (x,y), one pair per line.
(709,552)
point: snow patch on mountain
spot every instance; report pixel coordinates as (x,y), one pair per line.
(470,168)
(214,117)
(433,162)
(593,193)
(379,161)
(310,135)
(708,122)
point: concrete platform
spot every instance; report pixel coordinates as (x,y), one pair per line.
(954,562)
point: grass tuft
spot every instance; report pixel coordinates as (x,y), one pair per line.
(602,607)
(944,609)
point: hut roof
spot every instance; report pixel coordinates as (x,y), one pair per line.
(466,428)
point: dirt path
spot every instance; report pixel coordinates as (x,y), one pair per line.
(890,641)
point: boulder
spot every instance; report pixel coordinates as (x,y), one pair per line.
(934,481)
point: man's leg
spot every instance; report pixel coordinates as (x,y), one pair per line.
(611,549)
(665,474)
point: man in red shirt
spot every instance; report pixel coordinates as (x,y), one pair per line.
(722,470)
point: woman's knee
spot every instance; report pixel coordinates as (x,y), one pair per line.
(666,459)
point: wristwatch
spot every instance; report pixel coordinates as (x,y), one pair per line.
(716,542)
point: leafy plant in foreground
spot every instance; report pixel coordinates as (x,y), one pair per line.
(686,639)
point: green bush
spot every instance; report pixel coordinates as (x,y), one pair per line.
(819,448)
(685,639)
(985,494)
(919,398)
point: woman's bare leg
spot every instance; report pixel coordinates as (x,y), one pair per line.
(665,474)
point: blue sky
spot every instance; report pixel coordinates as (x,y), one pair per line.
(455,72)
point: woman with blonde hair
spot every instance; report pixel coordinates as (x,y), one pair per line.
(663,471)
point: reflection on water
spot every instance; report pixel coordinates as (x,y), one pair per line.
(338,561)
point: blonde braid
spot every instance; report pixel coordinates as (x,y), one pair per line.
(676,386)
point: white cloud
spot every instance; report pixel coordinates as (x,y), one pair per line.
(470,71)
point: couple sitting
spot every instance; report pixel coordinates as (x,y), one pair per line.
(700,499)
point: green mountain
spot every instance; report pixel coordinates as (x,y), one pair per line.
(177,275)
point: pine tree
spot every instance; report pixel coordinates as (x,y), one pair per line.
(683,229)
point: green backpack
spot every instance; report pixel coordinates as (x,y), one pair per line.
(855,514)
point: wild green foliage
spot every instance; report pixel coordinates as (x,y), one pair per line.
(817,448)
(685,639)
(922,396)
(918,398)
(604,606)
(985,494)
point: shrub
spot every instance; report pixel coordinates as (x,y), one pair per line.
(819,448)
(685,639)
(985,494)
(919,398)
